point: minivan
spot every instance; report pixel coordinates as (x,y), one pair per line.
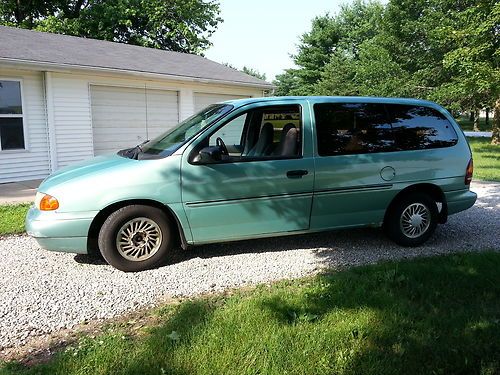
(262,167)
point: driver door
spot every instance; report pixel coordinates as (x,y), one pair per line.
(257,188)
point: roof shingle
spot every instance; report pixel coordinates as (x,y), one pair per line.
(41,47)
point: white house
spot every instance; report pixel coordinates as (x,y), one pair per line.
(64,99)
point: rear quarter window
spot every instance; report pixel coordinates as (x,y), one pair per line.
(419,127)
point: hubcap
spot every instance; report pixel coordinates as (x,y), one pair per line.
(415,220)
(138,239)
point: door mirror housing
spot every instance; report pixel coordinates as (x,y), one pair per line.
(208,155)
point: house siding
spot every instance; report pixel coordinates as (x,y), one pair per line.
(33,162)
(72,119)
(71,115)
(123,116)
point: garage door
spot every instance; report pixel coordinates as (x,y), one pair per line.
(124,117)
(201,100)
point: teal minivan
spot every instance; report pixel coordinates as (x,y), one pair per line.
(262,167)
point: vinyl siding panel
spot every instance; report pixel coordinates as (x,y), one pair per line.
(118,118)
(162,111)
(123,117)
(33,162)
(72,122)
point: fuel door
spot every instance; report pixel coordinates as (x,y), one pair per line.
(387,173)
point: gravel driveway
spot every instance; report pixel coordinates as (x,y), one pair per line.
(41,291)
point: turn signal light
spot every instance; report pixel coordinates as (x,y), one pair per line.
(469,172)
(49,203)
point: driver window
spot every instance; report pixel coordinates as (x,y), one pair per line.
(268,133)
(231,134)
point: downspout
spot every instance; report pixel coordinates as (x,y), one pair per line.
(51,126)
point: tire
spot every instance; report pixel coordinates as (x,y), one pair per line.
(418,223)
(136,238)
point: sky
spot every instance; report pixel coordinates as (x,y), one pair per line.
(261,34)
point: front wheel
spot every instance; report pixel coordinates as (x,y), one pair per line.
(412,220)
(135,238)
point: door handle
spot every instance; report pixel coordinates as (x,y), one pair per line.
(296,173)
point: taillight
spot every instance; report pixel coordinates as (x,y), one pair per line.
(469,172)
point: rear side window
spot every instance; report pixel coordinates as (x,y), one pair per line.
(418,128)
(352,128)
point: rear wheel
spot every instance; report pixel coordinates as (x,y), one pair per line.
(135,238)
(412,220)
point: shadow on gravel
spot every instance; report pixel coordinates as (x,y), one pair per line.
(335,248)
(325,241)
(331,240)
(90,259)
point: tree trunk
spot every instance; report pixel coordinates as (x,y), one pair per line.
(18,12)
(487,118)
(471,117)
(476,120)
(495,127)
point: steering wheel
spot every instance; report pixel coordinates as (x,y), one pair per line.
(223,149)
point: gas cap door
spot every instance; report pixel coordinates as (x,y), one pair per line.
(387,173)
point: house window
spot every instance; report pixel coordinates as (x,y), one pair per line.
(11,116)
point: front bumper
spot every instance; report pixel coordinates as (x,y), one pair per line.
(60,231)
(460,200)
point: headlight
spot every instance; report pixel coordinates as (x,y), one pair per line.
(46,202)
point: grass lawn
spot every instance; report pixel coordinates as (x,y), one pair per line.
(486,159)
(436,315)
(12,218)
(468,125)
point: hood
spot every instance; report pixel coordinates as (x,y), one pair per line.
(99,164)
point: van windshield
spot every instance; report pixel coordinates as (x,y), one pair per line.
(167,143)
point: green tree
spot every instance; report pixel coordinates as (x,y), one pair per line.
(314,53)
(408,35)
(330,35)
(474,61)
(419,35)
(288,83)
(253,72)
(372,73)
(176,25)
(442,50)
(250,71)
(338,77)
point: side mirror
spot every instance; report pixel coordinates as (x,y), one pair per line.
(208,155)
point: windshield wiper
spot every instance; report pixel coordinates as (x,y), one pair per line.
(133,153)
